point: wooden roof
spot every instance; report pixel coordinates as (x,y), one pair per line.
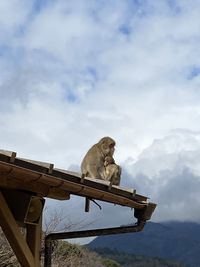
(43,179)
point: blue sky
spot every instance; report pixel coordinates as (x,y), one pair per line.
(75,71)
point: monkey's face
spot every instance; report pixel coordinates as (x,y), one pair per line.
(109,160)
(107,146)
(112,149)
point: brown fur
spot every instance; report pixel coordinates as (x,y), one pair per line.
(99,162)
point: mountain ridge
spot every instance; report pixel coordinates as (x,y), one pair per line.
(178,241)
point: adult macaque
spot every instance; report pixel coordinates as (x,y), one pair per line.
(95,165)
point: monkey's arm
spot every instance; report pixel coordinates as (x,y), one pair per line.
(94,171)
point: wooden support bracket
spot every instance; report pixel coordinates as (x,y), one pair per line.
(15,237)
(33,238)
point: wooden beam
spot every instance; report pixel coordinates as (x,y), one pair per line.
(67,182)
(58,194)
(14,183)
(49,166)
(37,187)
(33,238)
(8,153)
(14,236)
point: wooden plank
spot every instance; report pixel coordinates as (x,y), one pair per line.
(55,181)
(71,183)
(98,184)
(33,237)
(11,154)
(7,153)
(64,192)
(49,166)
(85,191)
(97,181)
(43,190)
(46,182)
(77,174)
(14,236)
(13,183)
(77,177)
(58,194)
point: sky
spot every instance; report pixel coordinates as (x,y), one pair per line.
(75,71)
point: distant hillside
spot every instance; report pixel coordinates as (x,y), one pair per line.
(171,240)
(131,260)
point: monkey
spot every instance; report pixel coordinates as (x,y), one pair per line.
(116,178)
(93,164)
(109,160)
(112,171)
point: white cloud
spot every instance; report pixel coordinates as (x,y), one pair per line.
(169,173)
(14,16)
(178,150)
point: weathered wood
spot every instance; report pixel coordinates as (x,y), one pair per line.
(33,238)
(48,185)
(77,174)
(13,183)
(11,154)
(49,166)
(134,192)
(8,153)
(14,236)
(58,194)
(35,178)
(72,174)
(59,175)
(98,182)
(40,189)
(86,191)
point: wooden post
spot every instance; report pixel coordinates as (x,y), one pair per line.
(33,238)
(14,236)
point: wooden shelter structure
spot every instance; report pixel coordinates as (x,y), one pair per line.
(25,183)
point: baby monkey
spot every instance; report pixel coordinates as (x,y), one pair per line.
(109,160)
(112,170)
